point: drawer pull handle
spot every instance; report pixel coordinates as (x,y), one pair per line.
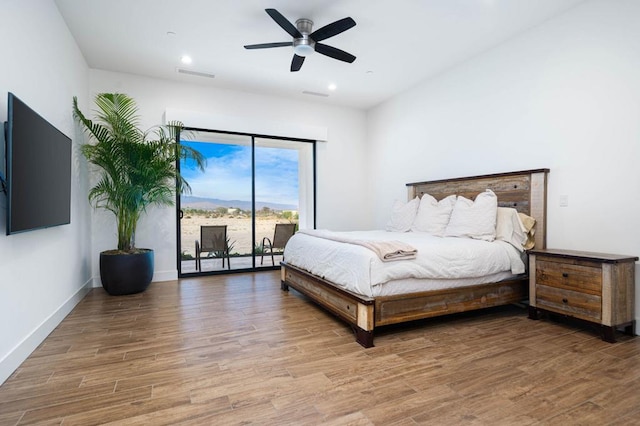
(565,301)
(565,275)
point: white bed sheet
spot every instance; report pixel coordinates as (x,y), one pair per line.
(440,262)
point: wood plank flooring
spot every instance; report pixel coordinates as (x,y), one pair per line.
(235,349)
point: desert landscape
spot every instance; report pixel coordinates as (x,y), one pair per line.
(238,228)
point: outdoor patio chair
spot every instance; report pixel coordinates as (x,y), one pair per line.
(213,239)
(283,232)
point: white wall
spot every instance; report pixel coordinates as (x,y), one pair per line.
(43,273)
(341,164)
(564,96)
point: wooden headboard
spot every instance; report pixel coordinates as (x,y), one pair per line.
(526,191)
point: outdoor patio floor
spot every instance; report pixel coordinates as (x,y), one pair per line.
(237,263)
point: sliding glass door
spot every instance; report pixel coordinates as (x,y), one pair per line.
(250,185)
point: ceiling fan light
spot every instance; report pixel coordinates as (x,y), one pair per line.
(303,49)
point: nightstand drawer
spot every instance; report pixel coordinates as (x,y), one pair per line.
(569,302)
(581,278)
(594,287)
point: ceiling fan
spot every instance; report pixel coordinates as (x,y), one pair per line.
(306,42)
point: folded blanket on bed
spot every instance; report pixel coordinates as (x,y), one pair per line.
(528,222)
(387,251)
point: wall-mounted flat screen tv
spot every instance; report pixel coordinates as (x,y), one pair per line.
(38,165)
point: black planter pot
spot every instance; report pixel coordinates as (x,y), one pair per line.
(126,273)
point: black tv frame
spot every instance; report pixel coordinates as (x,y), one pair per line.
(42,170)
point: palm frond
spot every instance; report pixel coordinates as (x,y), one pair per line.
(137,168)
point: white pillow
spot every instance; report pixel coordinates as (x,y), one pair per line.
(402,215)
(433,215)
(474,219)
(509,227)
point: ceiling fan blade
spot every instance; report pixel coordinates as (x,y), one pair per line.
(296,62)
(334,53)
(332,29)
(268,45)
(284,23)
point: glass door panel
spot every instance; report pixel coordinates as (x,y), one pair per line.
(283,194)
(221,197)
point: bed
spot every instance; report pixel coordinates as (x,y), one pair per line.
(524,191)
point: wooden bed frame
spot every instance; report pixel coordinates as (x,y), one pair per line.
(526,191)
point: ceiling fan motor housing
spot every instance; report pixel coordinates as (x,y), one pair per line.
(304,46)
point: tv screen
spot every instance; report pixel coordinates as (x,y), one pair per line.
(38,171)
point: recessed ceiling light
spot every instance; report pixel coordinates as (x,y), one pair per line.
(171,33)
(186,59)
(369,72)
(332,86)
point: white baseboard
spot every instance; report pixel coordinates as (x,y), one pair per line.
(95,282)
(165,275)
(12,361)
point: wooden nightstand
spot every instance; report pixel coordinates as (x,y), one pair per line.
(594,287)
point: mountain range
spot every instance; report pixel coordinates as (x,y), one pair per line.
(190,201)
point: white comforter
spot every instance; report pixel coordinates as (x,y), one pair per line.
(360,269)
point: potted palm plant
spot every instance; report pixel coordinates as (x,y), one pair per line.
(136,169)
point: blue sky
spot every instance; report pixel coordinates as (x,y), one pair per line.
(228,173)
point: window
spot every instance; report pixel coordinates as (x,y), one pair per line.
(251,183)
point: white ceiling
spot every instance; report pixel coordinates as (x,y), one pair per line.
(397,43)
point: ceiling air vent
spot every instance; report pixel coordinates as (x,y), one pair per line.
(195,73)
(324,95)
